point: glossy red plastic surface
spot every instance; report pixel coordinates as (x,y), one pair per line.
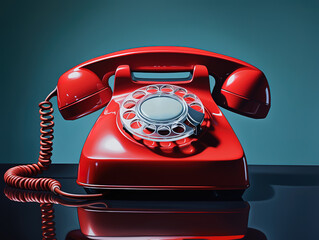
(241,79)
(214,224)
(111,158)
(80,92)
(86,105)
(245,91)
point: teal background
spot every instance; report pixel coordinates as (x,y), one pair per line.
(40,40)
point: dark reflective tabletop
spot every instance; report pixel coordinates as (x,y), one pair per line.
(281,203)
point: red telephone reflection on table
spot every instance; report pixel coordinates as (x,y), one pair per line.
(163,133)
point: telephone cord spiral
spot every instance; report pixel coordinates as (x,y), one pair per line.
(19,176)
(22,176)
(26,196)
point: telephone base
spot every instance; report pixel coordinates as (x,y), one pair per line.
(170,174)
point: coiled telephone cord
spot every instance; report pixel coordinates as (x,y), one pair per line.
(22,176)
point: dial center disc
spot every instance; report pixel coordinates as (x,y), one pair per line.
(161,108)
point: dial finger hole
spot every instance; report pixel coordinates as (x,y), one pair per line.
(136,124)
(164,131)
(129,104)
(149,129)
(180,92)
(166,88)
(189,98)
(129,115)
(178,128)
(152,89)
(196,106)
(138,94)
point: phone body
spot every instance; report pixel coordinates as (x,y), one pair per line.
(204,154)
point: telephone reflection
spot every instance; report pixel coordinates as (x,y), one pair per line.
(161,220)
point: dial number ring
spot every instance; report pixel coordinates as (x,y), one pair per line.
(164,129)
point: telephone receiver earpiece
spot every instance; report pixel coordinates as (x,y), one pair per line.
(245,91)
(81,92)
(240,87)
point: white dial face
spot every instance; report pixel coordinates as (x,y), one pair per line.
(162,113)
(161,108)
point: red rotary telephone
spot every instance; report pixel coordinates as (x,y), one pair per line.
(155,133)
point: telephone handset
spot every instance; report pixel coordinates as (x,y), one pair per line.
(154,133)
(240,87)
